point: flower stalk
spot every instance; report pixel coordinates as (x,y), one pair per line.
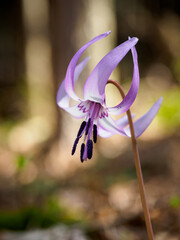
(138,167)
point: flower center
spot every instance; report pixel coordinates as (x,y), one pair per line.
(88,128)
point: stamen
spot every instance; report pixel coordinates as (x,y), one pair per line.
(89,148)
(83,124)
(94,133)
(75,145)
(87,126)
(82,152)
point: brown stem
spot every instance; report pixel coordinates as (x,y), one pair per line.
(138,167)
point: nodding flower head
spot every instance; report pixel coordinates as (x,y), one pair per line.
(97,119)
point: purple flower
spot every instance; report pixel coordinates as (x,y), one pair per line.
(92,108)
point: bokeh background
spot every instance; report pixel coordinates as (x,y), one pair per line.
(45,193)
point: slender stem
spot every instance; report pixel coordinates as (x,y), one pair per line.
(138,168)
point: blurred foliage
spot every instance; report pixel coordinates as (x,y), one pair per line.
(43,216)
(21,162)
(169,113)
(174,201)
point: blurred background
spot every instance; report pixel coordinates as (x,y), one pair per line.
(45,193)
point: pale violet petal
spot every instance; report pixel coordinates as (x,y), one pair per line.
(121,122)
(108,124)
(103,133)
(69,79)
(142,123)
(131,95)
(94,88)
(77,111)
(79,68)
(62,97)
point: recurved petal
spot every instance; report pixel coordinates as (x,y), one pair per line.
(94,88)
(131,95)
(142,123)
(79,68)
(103,133)
(109,125)
(69,79)
(62,97)
(121,122)
(76,111)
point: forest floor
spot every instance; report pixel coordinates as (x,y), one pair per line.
(101,202)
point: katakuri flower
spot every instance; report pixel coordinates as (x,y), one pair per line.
(92,108)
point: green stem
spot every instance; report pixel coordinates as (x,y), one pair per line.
(138,167)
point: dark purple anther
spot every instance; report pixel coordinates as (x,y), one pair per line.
(75,145)
(82,152)
(83,124)
(94,133)
(89,148)
(88,125)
